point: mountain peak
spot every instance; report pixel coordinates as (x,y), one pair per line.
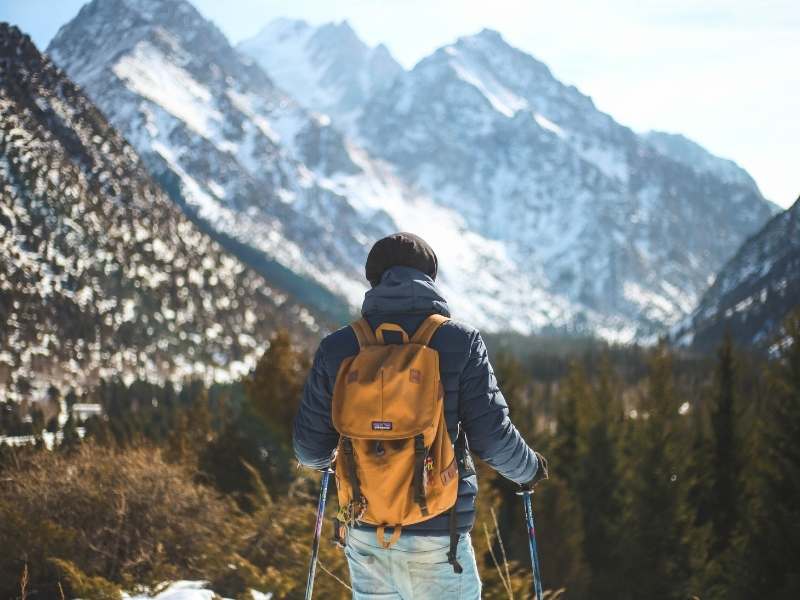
(14,42)
(284,25)
(490,34)
(169,31)
(328,69)
(343,26)
(485,39)
(342,36)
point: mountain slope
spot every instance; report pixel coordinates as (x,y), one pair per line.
(268,178)
(327,68)
(547,213)
(755,290)
(611,222)
(235,151)
(100,273)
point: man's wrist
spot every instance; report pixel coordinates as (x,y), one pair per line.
(542,472)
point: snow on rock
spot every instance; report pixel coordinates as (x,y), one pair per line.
(545,211)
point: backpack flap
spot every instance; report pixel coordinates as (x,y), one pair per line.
(387,392)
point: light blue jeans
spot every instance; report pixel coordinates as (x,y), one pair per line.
(414,568)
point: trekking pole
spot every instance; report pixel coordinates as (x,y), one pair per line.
(537,576)
(323,496)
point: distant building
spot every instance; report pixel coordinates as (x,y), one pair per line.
(83,410)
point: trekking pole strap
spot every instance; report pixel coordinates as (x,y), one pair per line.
(452,555)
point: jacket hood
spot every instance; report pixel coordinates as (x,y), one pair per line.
(404,290)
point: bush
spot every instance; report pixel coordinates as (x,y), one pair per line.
(130,518)
(97,521)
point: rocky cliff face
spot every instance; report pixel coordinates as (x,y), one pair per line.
(754,291)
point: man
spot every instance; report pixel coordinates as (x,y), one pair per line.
(402,269)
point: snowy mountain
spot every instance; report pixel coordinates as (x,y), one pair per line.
(755,290)
(697,158)
(275,182)
(545,212)
(234,151)
(100,272)
(609,219)
(327,68)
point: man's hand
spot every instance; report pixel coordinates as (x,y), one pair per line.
(541,473)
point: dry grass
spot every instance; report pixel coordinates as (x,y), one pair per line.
(23,583)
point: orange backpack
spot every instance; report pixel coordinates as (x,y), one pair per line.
(395,461)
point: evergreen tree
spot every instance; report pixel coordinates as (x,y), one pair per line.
(564,459)
(725,463)
(560,538)
(656,518)
(70,439)
(769,563)
(597,484)
(71,398)
(275,388)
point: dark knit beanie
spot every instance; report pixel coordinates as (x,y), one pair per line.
(400,250)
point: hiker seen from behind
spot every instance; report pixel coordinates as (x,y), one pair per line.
(396,402)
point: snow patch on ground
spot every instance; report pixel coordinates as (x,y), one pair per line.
(189,590)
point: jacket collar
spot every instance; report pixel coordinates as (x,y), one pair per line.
(404,290)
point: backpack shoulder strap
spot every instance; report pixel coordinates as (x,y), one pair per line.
(425,332)
(364,333)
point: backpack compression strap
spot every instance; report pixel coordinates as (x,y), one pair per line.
(425,332)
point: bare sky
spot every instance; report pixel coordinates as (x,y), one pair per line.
(722,72)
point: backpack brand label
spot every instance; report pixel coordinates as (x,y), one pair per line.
(381,425)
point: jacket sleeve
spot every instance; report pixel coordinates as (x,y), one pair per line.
(314,437)
(484,417)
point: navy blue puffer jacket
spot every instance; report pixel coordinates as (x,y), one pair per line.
(406,297)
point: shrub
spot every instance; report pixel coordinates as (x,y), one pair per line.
(97,521)
(128,517)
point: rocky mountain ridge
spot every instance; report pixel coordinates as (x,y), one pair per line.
(546,212)
(754,291)
(613,222)
(245,159)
